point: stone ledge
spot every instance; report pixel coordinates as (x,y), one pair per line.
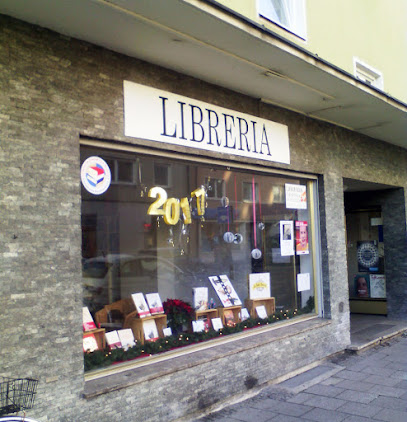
(135,372)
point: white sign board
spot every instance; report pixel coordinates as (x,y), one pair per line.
(162,116)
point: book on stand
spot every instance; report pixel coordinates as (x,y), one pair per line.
(154,303)
(141,305)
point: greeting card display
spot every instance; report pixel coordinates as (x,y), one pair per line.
(150,330)
(167,331)
(126,338)
(261,312)
(89,343)
(217,324)
(200,298)
(198,326)
(244,314)
(141,304)
(225,290)
(88,323)
(112,338)
(259,285)
(154,303)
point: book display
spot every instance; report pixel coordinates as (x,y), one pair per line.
(217,324)
(141,305)
(261,312)
(200,298)
(227,312)
(88,323)
(154,303)
(259,285)
(229,318)
(113,341)
(150,330)
(89,343)
(269,304)
(126,338)
(225,290)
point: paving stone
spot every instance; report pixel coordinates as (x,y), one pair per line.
(351,375)
(355,418)
(285,408)
(375,379)
(374,370)
(248,414)
(301,397)
(359,409)
(390,403)
(402,375)
(402,384)
(354,385)
(383,390)
(331,381)
(325,390)
(357,396)
(390,415)
(328,403)
(322,415)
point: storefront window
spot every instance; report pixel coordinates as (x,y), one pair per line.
(175,227)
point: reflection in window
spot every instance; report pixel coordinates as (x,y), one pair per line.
(128,250)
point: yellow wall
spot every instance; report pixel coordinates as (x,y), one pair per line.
(375,31)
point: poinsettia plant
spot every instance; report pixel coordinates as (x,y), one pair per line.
(178,313)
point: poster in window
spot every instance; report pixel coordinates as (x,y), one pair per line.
(287,238)
(301,238)
(378,286)
(303,282)
(225,290)
(259,285)
(368,256)
(362,285)
(295,196)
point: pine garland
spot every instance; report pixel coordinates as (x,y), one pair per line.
(104,358)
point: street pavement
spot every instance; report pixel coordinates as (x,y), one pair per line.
(368,386)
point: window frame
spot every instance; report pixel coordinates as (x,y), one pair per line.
(295,10)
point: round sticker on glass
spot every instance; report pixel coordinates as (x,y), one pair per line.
(95,175)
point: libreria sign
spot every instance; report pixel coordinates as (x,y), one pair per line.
(162,116)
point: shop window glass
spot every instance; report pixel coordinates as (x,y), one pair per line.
(129,248)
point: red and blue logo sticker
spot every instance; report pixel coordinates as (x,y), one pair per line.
(95,175)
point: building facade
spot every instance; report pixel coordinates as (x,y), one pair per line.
(64,100)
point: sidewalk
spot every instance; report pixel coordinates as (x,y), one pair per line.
(369,386)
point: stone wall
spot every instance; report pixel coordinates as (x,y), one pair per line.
(53,91)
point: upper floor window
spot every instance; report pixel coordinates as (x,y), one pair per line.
(289,14)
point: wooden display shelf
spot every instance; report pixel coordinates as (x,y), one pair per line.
(134,322)
(99,334)
(269,303)
(234,309)
(209,313)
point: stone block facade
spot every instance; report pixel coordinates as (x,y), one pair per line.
(55,91)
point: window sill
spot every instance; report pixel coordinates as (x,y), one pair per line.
(127,374)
